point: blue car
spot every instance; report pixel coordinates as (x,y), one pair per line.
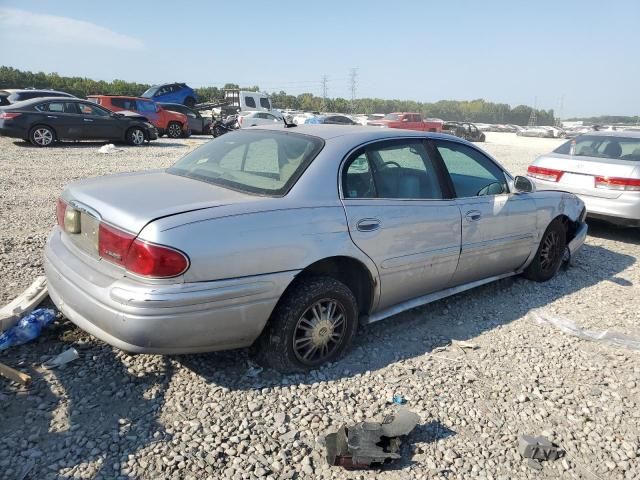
(172,93)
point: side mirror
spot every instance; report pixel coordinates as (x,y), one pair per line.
(523,185)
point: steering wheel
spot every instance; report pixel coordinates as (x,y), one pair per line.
(386,164)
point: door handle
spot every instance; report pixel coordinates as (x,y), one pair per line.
(368,224)
(51,116)
(87,120)
(473,215)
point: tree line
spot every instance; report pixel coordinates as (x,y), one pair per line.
(461,110)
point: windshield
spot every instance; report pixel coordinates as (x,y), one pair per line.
(150,92)
(623,148)
(391,116)
(257,161)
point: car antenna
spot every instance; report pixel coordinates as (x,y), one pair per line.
(288,124)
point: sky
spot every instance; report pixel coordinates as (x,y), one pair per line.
(578,57)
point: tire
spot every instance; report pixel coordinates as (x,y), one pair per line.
(294,322)
(550,253)
(135,136)
(42,136)
(189,102)
(174,130)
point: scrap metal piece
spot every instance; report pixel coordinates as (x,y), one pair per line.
(23,304)
(367,443)
(538,448)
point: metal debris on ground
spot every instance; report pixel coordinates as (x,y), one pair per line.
(13,374)
(367,443)
(65,357)
(538,448)
(399,399)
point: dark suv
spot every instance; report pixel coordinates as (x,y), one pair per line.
(13,95)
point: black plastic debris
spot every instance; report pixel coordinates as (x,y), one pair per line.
(368,443)
(538,448)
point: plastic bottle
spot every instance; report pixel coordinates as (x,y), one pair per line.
(27,328)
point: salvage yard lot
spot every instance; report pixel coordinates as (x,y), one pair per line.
(111,415)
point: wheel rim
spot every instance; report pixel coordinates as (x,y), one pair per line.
(174,130)
(43,136)
(319,331)
(549,251)
(137,137)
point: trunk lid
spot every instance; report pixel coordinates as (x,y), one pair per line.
(580,172)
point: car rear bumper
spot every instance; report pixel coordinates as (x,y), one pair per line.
(625,207)
(162,318)
(13,131)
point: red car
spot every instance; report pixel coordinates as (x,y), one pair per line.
(174,124)
(408,121)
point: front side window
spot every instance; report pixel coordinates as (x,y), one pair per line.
(144,107)
(262,162)
(87,109)
(250,102)
(472,173)
(398,169)
(150,92)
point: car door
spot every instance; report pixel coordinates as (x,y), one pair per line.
(498,227)
(61,117)
(97,122)
(401,215)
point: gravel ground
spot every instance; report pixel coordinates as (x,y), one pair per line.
(110,415)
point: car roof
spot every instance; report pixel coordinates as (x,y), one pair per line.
(612,133)
(39,90)
(32,101)
(355,132)
(120,96)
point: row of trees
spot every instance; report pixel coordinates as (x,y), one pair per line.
(474,110)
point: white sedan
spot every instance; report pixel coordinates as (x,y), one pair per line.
(254,118)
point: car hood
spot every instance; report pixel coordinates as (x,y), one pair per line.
(132,200)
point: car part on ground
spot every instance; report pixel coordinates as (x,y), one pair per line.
(44,121)
(24,303)
(538,448)
(369,443)
(298,259)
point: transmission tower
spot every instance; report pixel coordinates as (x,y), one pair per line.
(324,93)
(353,77)
(533,119)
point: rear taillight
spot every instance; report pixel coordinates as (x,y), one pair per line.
(155,260)
(616,183)
(9,115)
(61,208)
(548,174)
(139,257)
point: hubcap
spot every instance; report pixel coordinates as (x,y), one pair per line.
(319,331)
(549,251)
(43,136)
(138,137)
(174,130)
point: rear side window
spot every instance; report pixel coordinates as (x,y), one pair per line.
(58,107)
(250,102)
(125,103)
(264,103)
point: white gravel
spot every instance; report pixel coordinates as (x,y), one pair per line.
(110,415)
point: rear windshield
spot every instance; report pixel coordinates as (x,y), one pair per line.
(257,161)
(623,148)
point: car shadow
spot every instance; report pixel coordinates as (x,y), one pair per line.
(608,231)
(91,144)
(421,330)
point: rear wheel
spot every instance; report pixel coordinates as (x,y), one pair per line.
(135,136)
(314,322)
(174,130)
(550,253)
(42,136)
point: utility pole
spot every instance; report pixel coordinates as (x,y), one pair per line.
(353,77)
(324,93)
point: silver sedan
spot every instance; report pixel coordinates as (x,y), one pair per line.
(602,168)
(287,238)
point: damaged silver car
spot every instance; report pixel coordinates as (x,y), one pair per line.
(287,238)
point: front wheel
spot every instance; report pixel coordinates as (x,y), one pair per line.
(135,136)
(314,323)
(174,130)
(550,253)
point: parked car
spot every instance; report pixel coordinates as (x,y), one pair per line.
(172,93)
(408,121)
(14,95)
(465,130)
(602,168)
(197,123)
(249,239)
(253,118)
(540,132)
(174,124)
(43,121)
(330,119)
